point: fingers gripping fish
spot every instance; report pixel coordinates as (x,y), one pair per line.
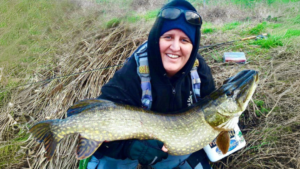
(182,132)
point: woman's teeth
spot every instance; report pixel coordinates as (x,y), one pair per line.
(172,56)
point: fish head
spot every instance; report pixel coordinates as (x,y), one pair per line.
(240,89)
(231,99)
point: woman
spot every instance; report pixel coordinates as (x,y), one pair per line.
(171,51)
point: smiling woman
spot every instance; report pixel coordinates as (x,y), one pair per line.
(161,75)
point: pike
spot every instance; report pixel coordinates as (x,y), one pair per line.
(182,133)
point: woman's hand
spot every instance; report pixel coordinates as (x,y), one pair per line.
(147,152)
(164,149)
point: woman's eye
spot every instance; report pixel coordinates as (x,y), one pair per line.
(186,40)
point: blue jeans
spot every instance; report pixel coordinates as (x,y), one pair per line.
(110,163)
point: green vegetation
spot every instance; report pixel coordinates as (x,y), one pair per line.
(258,146)
(297,20)
(277,25)
(5,92)
(292,33)
(218,58)
(258,29)
(268,43)
(134,17)
(252,3)
(208,30)
(262,109)
(230,26)
(150,14)
(11,150)
(113,23)
(28,32)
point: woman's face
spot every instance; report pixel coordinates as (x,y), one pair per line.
(175,50)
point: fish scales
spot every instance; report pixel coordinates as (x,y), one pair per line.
(133,124)
(182,133)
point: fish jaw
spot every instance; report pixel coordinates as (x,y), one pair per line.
(222,114)
(229,125)
(230,100)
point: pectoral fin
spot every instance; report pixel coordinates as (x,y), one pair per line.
(86,147)
(223,141)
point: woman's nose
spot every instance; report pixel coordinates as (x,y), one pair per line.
(175,46)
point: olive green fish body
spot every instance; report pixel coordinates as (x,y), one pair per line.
(182,133)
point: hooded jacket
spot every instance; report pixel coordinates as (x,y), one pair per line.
(169,94)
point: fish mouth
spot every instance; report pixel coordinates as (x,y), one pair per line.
(231,99)
(240,88)
(242,78)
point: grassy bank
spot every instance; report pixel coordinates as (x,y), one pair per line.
(41,39)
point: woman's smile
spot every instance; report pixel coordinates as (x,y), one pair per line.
(172,56)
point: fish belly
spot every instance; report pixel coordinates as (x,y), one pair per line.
(180,136)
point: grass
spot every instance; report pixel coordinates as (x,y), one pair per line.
(208,30)
(218,58)
(150,14)
(38,38)
(113,23)
(262,109)
(10,150)
(296,20)
(230,26)
(29,32)
(5,92)
(24,37)
(277,25)
(252,3)
(258,29)
(135,17)
(292,33)
(268,43)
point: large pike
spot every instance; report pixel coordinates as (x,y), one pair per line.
(182,133)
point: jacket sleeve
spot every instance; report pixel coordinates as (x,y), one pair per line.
(123,88)
(207,81)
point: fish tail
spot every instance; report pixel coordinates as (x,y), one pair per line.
(45,132)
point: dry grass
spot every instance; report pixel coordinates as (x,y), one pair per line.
(272,136)
(51,99)
(146,5)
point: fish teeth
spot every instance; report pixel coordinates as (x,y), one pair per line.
(173,56)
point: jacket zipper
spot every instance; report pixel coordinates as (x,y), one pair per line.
(174,97)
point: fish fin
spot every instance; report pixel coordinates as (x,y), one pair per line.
(43,133)
(223,141)
(86,147)
(87,104)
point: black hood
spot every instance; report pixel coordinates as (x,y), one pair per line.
(157,70)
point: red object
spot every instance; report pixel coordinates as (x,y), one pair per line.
(237,57)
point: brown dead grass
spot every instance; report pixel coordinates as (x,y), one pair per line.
(144,5)
(50,100)
(220,12)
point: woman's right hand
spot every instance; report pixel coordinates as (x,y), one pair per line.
(147,152)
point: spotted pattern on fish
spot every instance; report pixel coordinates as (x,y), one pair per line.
(182,133)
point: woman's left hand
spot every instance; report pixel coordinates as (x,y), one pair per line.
(164,149)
